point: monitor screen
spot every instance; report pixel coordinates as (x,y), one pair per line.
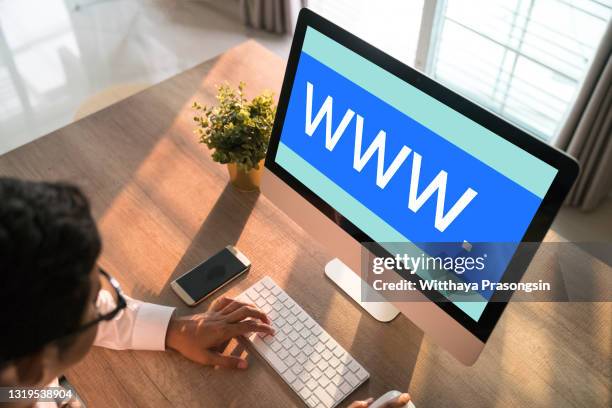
(399,164)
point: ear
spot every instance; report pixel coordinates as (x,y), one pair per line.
(34,368)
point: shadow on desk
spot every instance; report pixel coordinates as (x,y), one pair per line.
(365,338)
(224,224)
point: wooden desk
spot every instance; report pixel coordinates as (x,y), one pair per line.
(163,206)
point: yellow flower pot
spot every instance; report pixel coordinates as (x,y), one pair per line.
(245,181)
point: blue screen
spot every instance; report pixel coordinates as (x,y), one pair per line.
(402,166)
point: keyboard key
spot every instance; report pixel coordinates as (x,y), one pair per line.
(313,401)
(276,346)
(325,398)
(297,384)
(334,362)
(309,366)
(323,364)
(337,380)
(280,336)
(351,379)
(294,350)
(312,384)
(289,376)
(331,389)
(249,294)
(345,388)
(305,393)
(323,380)
(304,376)
(362,374)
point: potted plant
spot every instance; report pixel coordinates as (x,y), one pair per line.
(238,131)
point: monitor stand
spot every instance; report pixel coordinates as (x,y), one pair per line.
(351,284)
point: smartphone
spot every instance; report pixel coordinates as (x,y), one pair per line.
(211,275)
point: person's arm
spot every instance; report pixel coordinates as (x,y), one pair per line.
(200,337)
(140,326)
(399,402)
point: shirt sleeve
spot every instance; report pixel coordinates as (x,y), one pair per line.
(140,326)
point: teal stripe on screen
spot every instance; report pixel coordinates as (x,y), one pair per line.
(472,309)
(354,211)
(499,154)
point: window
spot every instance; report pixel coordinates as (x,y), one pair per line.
(391,25)
(523,59)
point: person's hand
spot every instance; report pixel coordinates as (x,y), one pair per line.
(398,402)
(71,403)
(203,337)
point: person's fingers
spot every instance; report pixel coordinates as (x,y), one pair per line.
(361,404)
(398,402)
(220,303)
(72,403)
(221,347)
(221,360)
(233,305)
(249,326)
(246,312)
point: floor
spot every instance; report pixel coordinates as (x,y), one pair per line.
(54,56)
(591,231)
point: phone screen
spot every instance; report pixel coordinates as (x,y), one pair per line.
(210,275)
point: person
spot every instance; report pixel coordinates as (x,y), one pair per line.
(64,303)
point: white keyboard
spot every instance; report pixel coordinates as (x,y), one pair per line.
(314,365)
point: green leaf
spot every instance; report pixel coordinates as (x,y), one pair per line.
(237,130)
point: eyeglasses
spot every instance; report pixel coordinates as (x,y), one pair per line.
(120,304)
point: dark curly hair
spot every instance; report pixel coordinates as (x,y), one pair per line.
(48,246)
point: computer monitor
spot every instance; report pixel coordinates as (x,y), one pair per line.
(367,149)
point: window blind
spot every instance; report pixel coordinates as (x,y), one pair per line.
(523,59)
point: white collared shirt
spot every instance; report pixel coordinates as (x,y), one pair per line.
(140,326)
